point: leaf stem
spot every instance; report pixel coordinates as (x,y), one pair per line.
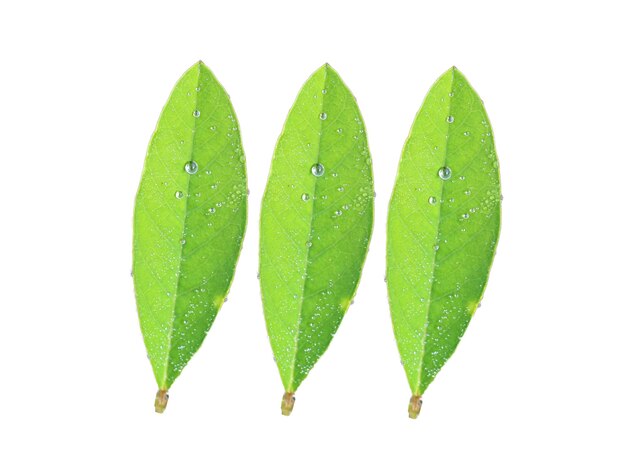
(160,403)
(287,405)
(415,406)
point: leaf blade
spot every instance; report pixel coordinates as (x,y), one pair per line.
(308,276)
(194,167)
(443,226)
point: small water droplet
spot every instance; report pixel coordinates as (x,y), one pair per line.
(191,167)
(466,133)
(324,91)
(183,241)
(468,192)
(465,216)
(317,169)
(432,200)
(309,244)
(305,197)
(338,213)
(196,113)
(323,116)
(450,119)
(212,210)
(340,189)
(339,131)
(179,194)
(436,247)
(445,173)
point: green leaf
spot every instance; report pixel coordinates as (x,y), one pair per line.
(190,218)
(443,226)
(316,222)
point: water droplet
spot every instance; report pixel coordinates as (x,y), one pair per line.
(196,113)
(191,167)
(309,244)
(323,116)
(340,189)
(179,194)
(305,197)
(324,91)
(450,119)
(183,241)
(212,210)
(436,247)
(317,169)
(338,212)
(432,200)
(339,131)
(465,216)
(468,192)
(466,133)
(197,88)
(445,173)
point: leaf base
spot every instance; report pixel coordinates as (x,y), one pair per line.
(160,403)
(287,405)
(415,406)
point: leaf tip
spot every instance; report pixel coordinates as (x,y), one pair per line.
(415,406)
(160,402)
(286,406)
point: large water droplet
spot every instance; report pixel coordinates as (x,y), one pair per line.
(179,194)
(450,119)
(191,167)
(317,169)
(305,197)
(432,200)
(196,113)
(445,173)
(323,116)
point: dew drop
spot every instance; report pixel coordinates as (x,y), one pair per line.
(466,133)
(432,200)
(212,210)
(324,91)
(465,216)
(450,119)
(436,247)
(340,189)
(305,197)
(338,213)
(183,241)
(339,131)
(323,116)
(317,169)
(196,113)
(445,173)
(179,194)
(191,167)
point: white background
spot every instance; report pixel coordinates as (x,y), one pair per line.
(538,380)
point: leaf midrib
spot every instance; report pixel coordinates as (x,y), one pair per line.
(182,246)
(308,248)
(434,263)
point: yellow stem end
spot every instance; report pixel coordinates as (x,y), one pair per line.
(287,405)
(415,405)
(160,403)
